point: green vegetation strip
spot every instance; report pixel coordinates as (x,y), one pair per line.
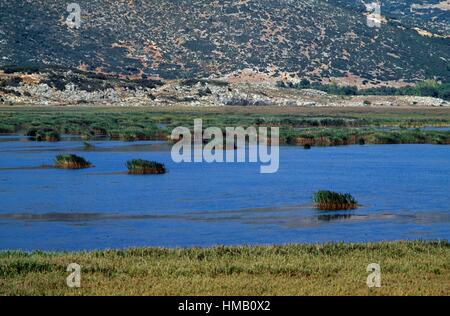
(407,268)
(361,136)
(327,127)
(426,88)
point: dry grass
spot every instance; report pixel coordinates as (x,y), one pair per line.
(408,268)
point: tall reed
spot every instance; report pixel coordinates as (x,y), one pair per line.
(139,166)
(333,201)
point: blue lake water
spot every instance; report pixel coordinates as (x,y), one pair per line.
(404,191)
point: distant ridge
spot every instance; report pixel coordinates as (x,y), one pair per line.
(269,40)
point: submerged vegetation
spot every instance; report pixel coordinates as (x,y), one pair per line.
(88,146)
(409,268)
(71,162)
(139,166)
(332,201)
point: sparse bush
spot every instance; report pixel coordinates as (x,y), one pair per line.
(305,83)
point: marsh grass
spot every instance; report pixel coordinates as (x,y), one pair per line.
(141,167)
(44,134)
(137,134)
(317,127)
(71,162)
(50,136)
(7,129)
(361,136)
(333,201)
(408,268)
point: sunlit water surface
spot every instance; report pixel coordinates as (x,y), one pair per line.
(404,192)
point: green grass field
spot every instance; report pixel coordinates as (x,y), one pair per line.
(407,268)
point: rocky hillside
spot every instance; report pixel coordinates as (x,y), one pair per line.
(234,39)
(60,87)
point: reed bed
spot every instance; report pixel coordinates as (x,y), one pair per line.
(141,167)
(333,201)
(71,162)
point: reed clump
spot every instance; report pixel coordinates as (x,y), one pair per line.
(44,135)
(71,162)
(141,167)
(333,201)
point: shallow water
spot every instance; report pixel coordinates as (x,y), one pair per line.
(404,191)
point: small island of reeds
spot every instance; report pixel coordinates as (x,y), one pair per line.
(71,162)
(333,201)
(141,167)
(41,135)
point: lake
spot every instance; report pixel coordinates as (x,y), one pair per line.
(404,192)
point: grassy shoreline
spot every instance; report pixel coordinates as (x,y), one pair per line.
(407,268)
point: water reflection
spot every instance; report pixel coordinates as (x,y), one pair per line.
(334,217)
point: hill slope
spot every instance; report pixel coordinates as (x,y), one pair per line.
(184,38)
(432,16)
